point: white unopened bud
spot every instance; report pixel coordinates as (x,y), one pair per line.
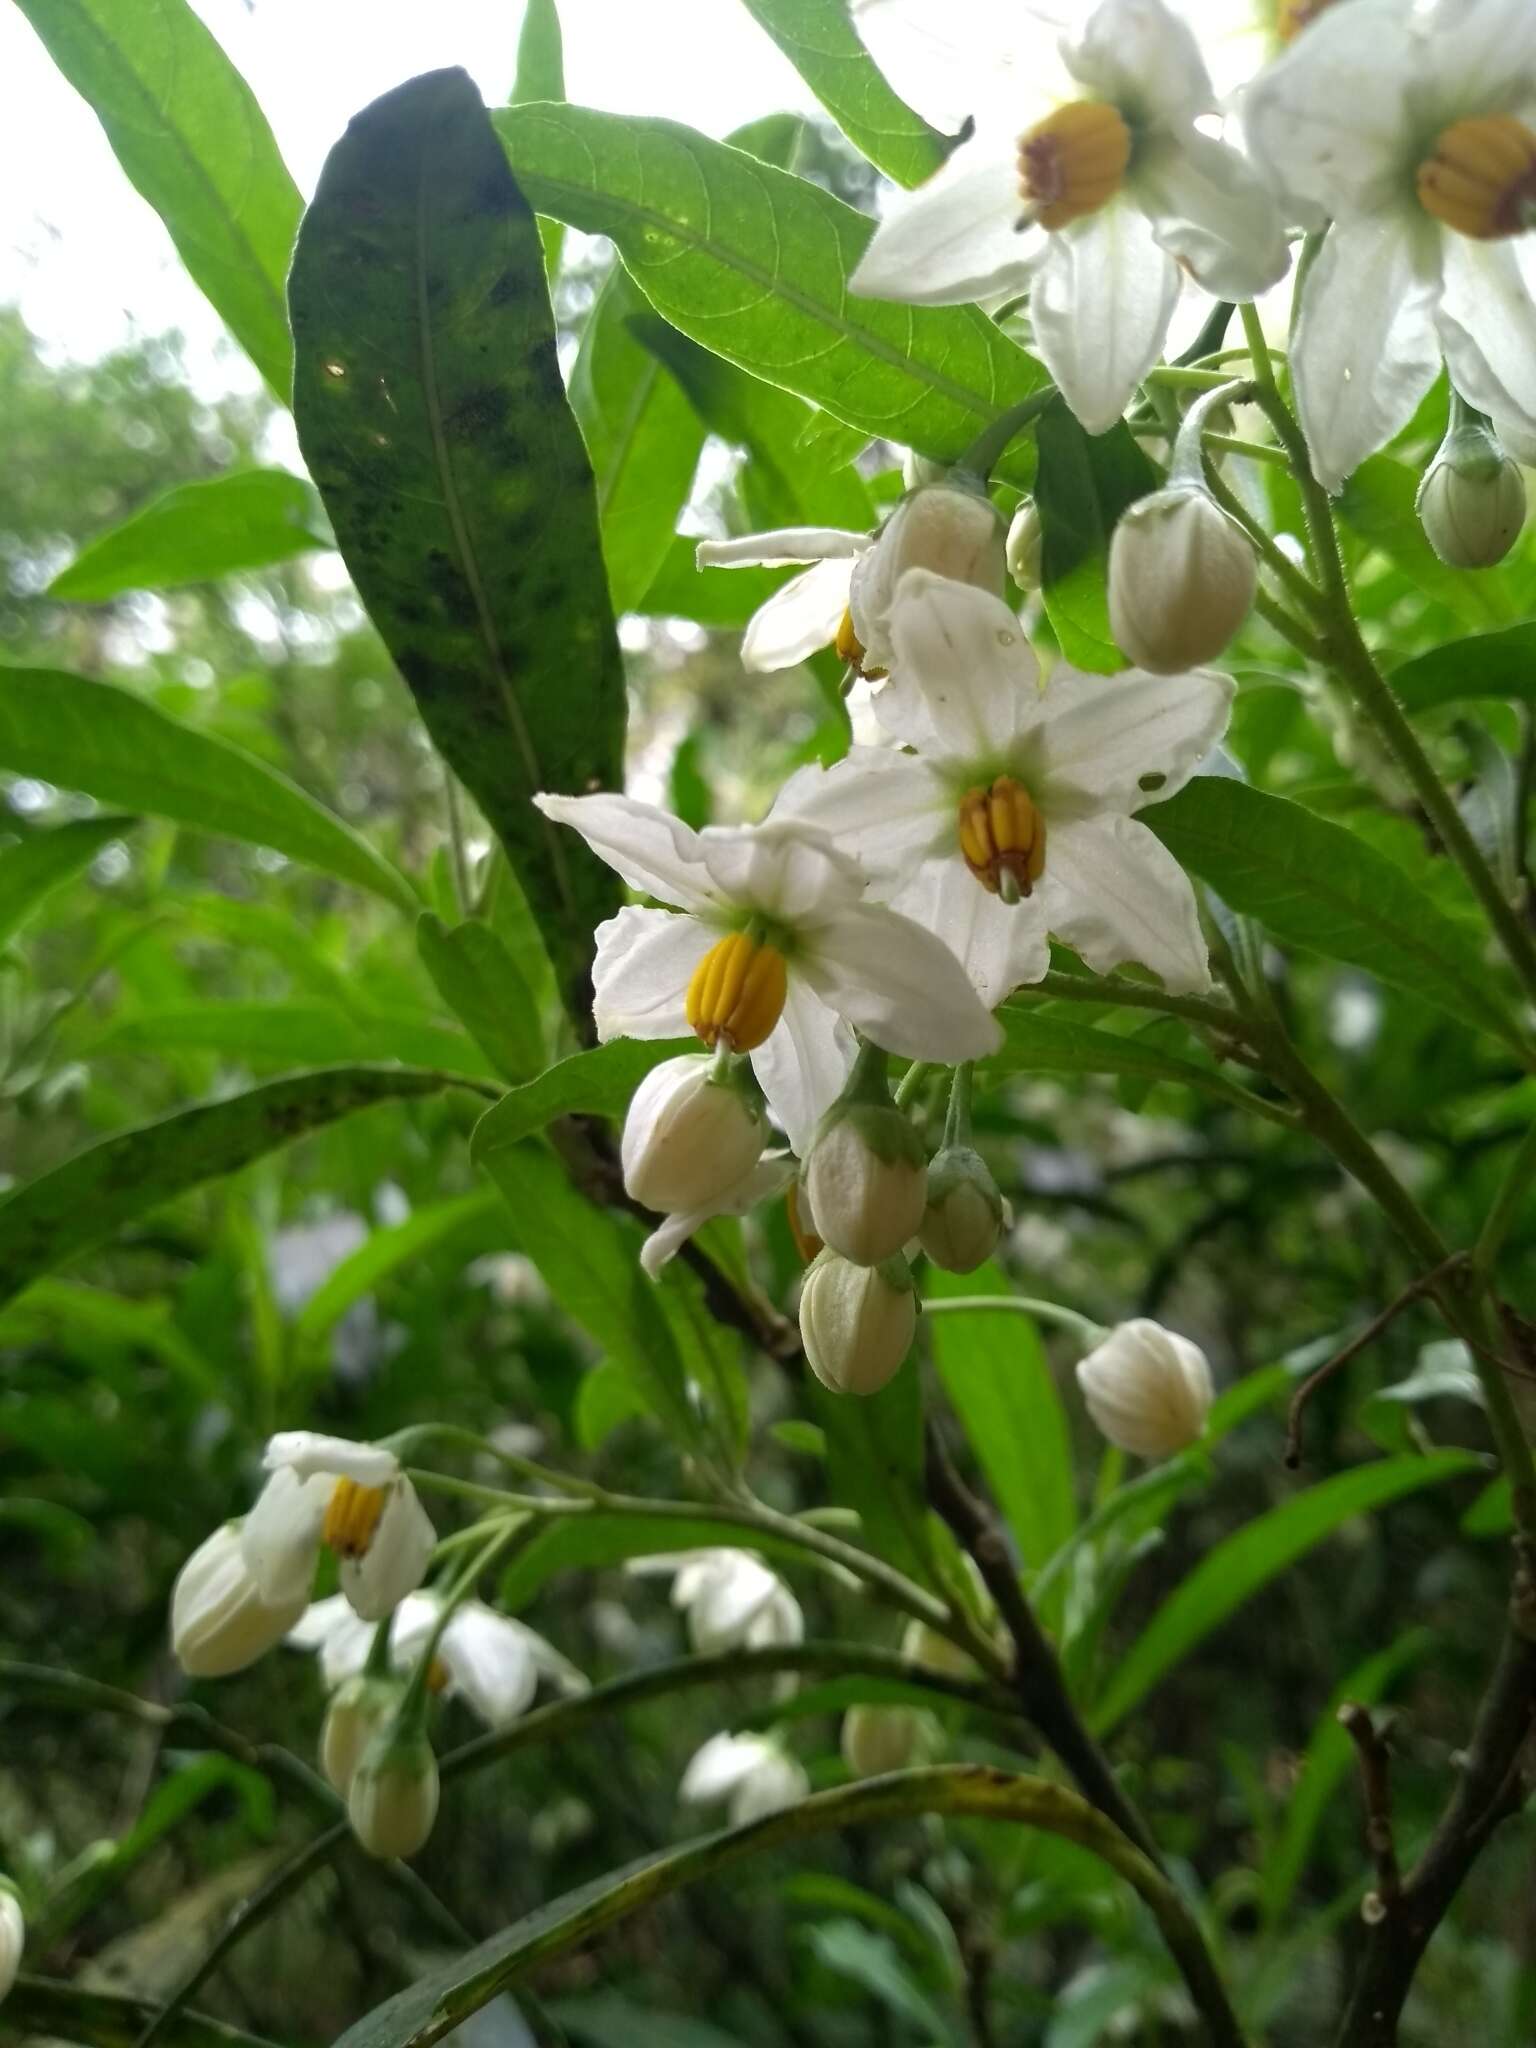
(13,1937)
(1182,577)
(880,1739)
(1026,539)
(392,1797)
(359,1708)
(219,1620)
(867,1183)
(952,530)
(1472,501)
(857,1322)
(690,1135)
(964,1217)
(1148,1390)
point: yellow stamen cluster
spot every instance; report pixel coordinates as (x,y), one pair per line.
(1072,162)
(1002,837)
(807,1243)
(850,648)
(1292,16)
(1480,178)
(352,1517)
(737,992)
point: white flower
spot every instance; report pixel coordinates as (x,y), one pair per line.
(776,947)
(750,1771)
(353,1498)
(1147,1389)
(731,1600)
(483,1657)
(1013,819)
(393,1794)
(220,1620)
(13,1938)
(690,1135)
(857,1322)
(843,599)
(1416,133)
(1087,183)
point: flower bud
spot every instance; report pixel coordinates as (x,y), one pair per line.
(964,1216)
(1025,540)
(691,1134)
(359,1708)
(880,1739)
(1148,1390)
(951,529)
(1182,577)
(1471,503)
(867,1182)
(923,1645)
(13,1937)
(857,1322)
(392,1797)
(219,1620)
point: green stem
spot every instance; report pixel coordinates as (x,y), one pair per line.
(1134,995)
(911,1081)
(1175,377)
(1274,558)
(986,451)
(1088,1331)
(957,1119)
(461,889)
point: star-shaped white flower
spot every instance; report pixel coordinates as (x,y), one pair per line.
(1416,134)
(731,1599)
(1086,183)
(776,953)
(1012,819)
(352,1497)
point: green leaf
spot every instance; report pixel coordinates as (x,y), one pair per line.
(588,1543)
(314,1033)
(43,2008)
(818,38)
(754,264)
(479,980)
(111,744)
(872,1962)
(1034,1043)
(379,1255)
(196,534)
(1319,886)
(1082,484)
(590,1260)
(188,132)
(89,1323)
(1485,665)
(88,1199)
(456,479)
(608,2021)
(642,435)
(1242,1564)
(995,1373)
(875,1466)
(721,598)
(598,1082)
(46,859)
(541,76)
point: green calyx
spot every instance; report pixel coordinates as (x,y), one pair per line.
(958,1166)
(867,1105)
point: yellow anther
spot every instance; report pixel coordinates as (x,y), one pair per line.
(807,1243)
(1480,178)
(438,1676)
(352,1516)
(1072,162)
(850,648)
(1002,838)
(1292,16)
(737,992)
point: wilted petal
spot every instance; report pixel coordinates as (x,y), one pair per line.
(1102,301)
(957,237)
(1115,894)
(645,959)
(901,985)
(798,619)
(1213,214)
(1117,743)
(648,847)
(802,1064)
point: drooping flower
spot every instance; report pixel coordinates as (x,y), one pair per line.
(843,598)
(776,953)
(1086,182)
(1012,820)
(220,1622)
(690,1135)
(749,1771)
(352,1498)
(730,1598)
(1148,1389)
(1415,132)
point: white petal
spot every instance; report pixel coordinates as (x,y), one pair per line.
(728,1600)
(1488,324)
(802,1064)
(776,549)
(549,1663)
(489,1661)
(1213,214)
(651,849)
(1102,301)
(768,1178)
(1481,56)
(785,869)
(963,58)
(319,1622)
(645,959)
(777,1782)
(798,619)
(901,985)
(1001,946)
(881,805)
(395,1562)
(281,1536)
(716,1769)
(777,1624)
(306,1452)
(1115,894)
(1365,350)
(1101,738)
(965,653)
(956,238)
(1141,55)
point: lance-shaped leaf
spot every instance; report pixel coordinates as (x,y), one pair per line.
(754,264)
(597,1082)
(46,2007)
(187,130)
(432,416)
(482,984)
(44,860)
(541,76)
(197,533)
(89,1198)
(1485,665)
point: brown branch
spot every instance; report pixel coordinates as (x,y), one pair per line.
(1376,1785)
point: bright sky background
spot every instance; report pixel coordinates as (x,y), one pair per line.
(89,263)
